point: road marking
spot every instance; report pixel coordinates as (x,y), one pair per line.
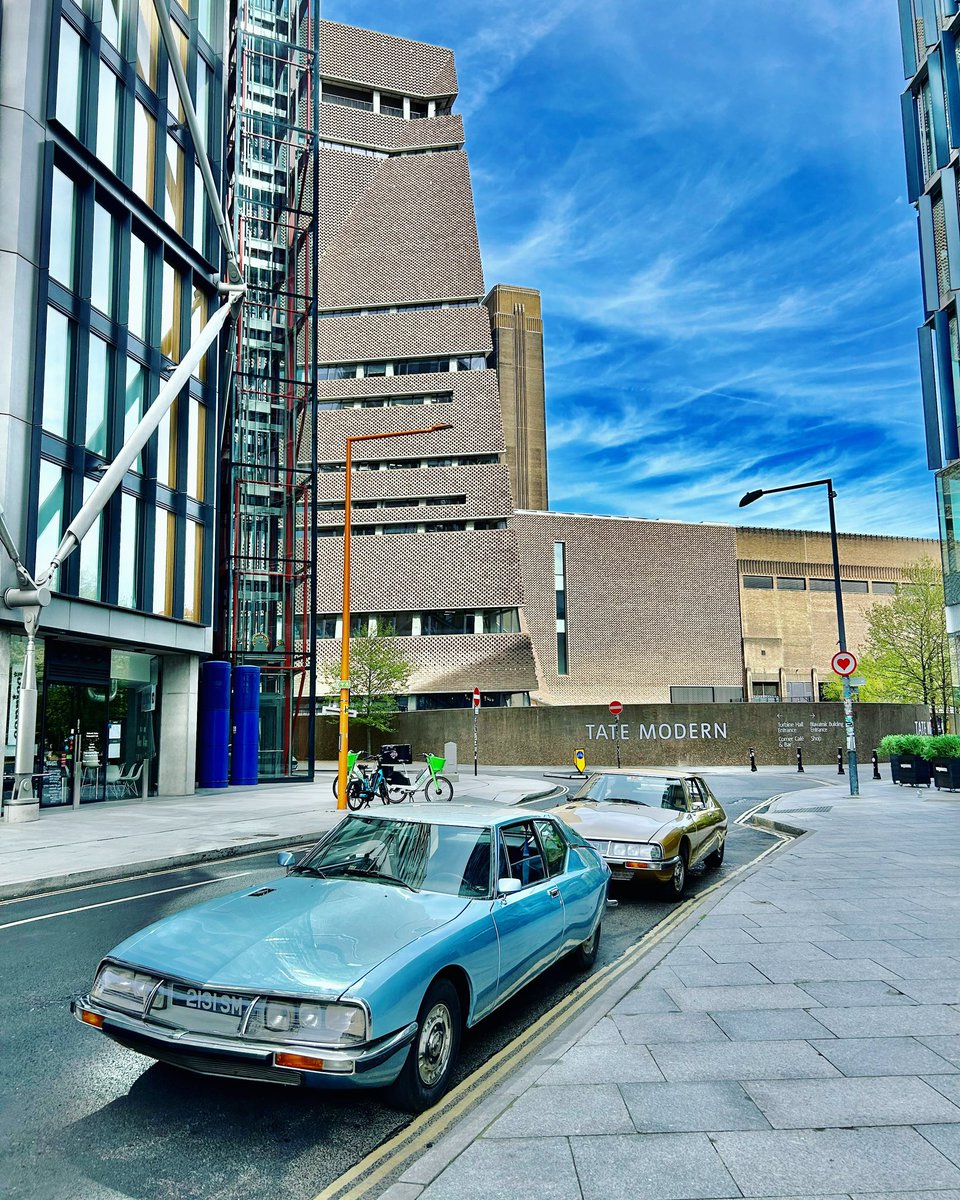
(122,900)
(424,1130)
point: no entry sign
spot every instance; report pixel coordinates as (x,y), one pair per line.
(616,708)
(844,663)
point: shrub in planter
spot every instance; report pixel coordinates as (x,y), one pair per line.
(907,763)
(943,752)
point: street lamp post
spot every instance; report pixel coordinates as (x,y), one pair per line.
(841,628)
(343,740)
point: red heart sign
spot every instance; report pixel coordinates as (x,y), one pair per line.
(843,662)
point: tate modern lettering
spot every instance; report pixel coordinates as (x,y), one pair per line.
(666,731)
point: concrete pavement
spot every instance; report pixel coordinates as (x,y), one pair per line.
(122,838)
(798,1034)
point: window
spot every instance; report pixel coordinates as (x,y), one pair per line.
(758,581)
(348,97)
(196,448)
(799,692)
(359,625)
(396,625)
(148,41)
(325,627)
(70,75)
(63,231)
(91,558)
(98,394)
(391,106)
(144,152)
(108,108)
(133,402)
(103,281)
(112,21)
(501,620)
(446,622)
(49,513)
(174,103)
(338,371)
(421,366)
(471,362)
(858,586)
(167,447)
(170,313)
(553,845)
(766,691)
(821,585)
(681,694)
(193,572)
(560,595)
(520,855)
(163,548)
(139,288)
(57,373)
(882,588)
(173,185)
(790,583)
(129,549)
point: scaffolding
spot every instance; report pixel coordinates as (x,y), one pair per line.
(268,440)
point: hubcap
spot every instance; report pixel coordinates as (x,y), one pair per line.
(436,1039)
(678,873)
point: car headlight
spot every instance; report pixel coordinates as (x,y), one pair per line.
(122,987)
(643,851)
(313,1021)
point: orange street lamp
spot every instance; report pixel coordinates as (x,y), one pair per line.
(343,740)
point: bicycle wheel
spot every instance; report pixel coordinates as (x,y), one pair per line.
(397,794)
(357,796)
(438,789)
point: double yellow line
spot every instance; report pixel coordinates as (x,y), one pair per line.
(425,1129)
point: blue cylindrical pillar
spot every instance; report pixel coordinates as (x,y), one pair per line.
(213,724)
(244,759)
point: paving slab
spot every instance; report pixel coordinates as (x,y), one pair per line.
(645,1028)
(894,1020)
(603,1064)
(946,1045)
(946,1139)
(564,1111)
(718,974)
(826,971)
(726,999)
(659,1166)
(760,955)
(691,1107)
(645,999)
(741,1060)
(846,1103)
(788,1162)
(768,1025)
(605,1032)
(543,1168)
(932,991)
(884,1056)
(867,993)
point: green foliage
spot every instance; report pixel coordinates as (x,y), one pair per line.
(876,689)
(912,744)
(906,655)
(945,745)
(378,671)
(891,743)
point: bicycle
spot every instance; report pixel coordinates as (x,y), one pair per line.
(354,772)
(433,785)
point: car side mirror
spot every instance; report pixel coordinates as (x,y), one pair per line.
(507,887)
(286,858)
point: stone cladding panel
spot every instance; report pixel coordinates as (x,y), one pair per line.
(416,333)
(802,545)
(413,572)
(411,237)
(386,63)
(378,131)
(649,604)
(458,663)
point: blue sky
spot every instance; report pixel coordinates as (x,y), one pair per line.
(710,198)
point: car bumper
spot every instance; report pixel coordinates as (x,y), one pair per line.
(374,1064)
(661,870)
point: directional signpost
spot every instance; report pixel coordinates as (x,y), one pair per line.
(616,708)
(476,717)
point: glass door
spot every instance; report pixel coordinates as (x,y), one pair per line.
(74,719)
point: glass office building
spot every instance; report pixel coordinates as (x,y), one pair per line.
(107,271)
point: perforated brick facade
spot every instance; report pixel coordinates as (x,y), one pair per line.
(379,60)
(411,333)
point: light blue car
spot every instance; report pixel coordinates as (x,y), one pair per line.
(361,966)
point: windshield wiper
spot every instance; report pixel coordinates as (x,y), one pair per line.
(624,800)
(373,873)
(322,871)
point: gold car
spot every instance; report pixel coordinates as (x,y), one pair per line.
(649,824)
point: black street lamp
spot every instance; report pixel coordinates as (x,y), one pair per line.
(841,628)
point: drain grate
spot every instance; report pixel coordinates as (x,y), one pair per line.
(813,808)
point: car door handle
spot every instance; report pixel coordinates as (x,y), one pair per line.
(554,891)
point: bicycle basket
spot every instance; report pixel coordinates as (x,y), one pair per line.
(352,756)
(436,762)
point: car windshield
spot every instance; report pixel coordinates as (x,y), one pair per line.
(655,791)
(414,854)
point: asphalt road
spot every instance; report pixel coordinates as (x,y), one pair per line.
(84,1119)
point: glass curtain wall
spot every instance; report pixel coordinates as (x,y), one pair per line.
(269,441)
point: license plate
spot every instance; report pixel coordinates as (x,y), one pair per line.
(212,1002)
(620,874)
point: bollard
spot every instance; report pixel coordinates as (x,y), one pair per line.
(876,766)
(753,759)
(839,760)
(799,761)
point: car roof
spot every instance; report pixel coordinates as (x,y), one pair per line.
(475,816)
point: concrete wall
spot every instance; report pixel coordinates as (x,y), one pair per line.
(648,734)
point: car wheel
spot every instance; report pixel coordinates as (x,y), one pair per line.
(715,859)
(585,954)
(674,887)
(433,1052)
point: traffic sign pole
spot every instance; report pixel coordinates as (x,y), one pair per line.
(476,718)
(616,708)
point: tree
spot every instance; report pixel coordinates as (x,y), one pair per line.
(907,651)
(378,671)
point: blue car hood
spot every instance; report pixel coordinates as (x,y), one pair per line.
(307,936)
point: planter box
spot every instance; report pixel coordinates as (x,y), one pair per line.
(946,773)
(911,771)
